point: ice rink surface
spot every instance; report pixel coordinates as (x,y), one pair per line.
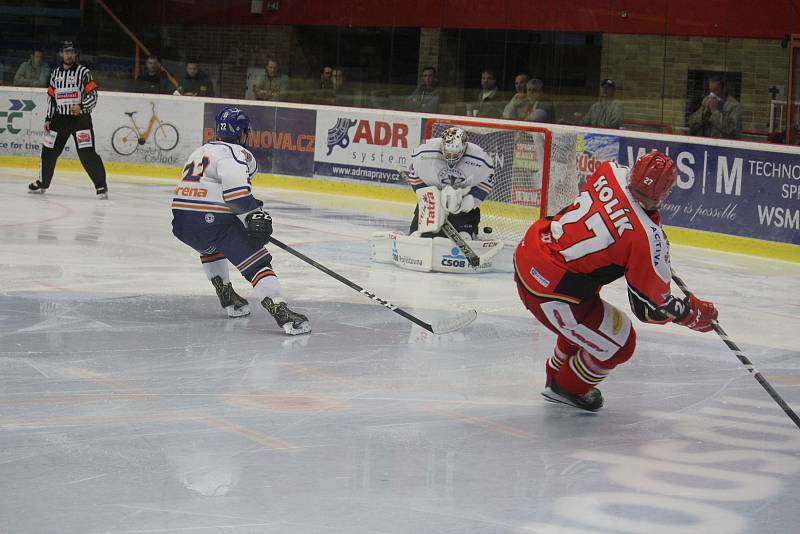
(130,403)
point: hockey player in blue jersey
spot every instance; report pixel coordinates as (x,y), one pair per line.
(215,213)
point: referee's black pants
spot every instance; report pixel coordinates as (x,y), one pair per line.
(79,127)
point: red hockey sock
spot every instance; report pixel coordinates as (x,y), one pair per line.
(580,373)
(563,351)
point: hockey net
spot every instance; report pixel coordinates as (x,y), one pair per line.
(535,172)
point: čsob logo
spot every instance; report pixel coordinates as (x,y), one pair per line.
(455,259)
(339,135)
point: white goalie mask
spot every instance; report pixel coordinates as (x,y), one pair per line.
(454,144)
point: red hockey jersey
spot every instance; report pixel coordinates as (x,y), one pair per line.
(603,235)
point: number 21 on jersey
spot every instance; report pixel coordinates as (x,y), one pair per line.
(599,238)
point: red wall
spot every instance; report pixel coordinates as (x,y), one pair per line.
(721,18)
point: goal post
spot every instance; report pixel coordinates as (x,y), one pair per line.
(535,171)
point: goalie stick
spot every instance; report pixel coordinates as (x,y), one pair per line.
(745,361)
(441,327)
(451,232)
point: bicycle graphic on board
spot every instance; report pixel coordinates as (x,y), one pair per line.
(126,139)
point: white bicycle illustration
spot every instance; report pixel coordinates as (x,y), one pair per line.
(126,139)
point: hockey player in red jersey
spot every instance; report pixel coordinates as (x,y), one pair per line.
(612,229)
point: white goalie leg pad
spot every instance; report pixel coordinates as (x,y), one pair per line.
(448,258)
(408,252)
(431,211)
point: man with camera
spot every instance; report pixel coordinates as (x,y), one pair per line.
(720,114)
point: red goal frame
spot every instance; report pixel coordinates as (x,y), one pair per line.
(428,133)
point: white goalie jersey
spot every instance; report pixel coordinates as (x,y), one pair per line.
(473,174)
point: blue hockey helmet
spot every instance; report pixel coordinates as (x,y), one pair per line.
(231,122)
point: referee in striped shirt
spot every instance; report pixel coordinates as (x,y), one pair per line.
(72,95)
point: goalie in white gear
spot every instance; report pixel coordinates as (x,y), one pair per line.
(215,213)
(463,174)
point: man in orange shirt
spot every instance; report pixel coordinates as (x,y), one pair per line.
(612,229)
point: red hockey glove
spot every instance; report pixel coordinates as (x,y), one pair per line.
(701,314)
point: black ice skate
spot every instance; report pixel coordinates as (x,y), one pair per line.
(37,188)
(293,323)
(102,193)
(235,305)
(592,400)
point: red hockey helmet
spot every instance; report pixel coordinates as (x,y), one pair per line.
(652,178)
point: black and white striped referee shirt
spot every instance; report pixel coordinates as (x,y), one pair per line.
(70,86)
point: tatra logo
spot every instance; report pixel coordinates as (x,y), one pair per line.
(452,177)
(339,135)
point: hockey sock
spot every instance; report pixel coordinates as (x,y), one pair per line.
(268,287)
(580,373)
(563,351)
(215,265)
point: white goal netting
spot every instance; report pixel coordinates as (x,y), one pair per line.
(533,165)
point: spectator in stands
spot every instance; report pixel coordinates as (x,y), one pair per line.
(274,85)
(428,94)
(487,103)
(152,79)
(34,72)
(344,92)
(326,78)
(322,92)
(537,108)
(720,114)
(195,82)
(515,107)
(606,112)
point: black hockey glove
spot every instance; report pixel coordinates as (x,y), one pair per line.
(259,226)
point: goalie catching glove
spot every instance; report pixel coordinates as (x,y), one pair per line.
(701,315)
(259,226)
(457,200)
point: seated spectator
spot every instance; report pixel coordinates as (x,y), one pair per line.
(152,79)
(536,108)
(720,114)
(487,102)
(606,112)
(322,92)
(34,72)
(195,82)
(344,93)
(428,94)
(515,107)
(274,85)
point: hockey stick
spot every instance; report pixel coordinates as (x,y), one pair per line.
(441,327)
(745,361)
(462,245)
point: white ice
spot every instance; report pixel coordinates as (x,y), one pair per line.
(130,403)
